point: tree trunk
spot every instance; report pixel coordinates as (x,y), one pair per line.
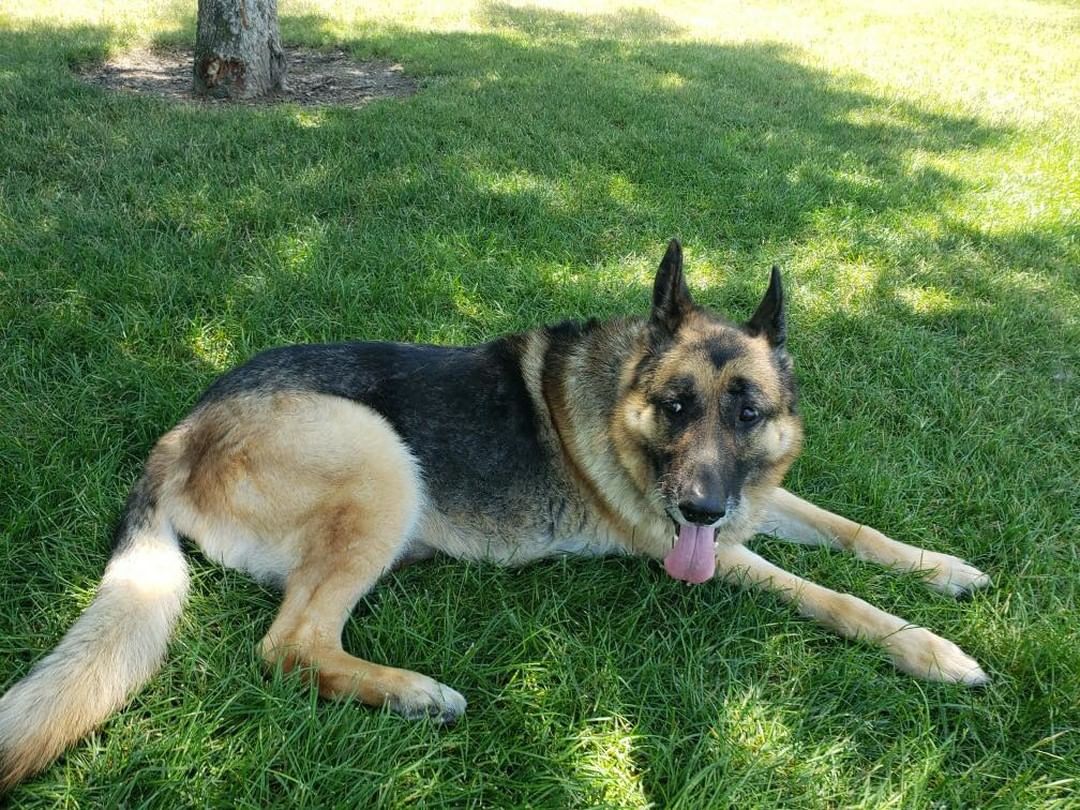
(238,49)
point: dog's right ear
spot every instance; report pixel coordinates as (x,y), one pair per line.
(671,301)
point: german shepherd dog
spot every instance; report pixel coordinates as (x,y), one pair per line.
(321,468)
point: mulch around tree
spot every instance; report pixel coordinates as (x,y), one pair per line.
(316,78)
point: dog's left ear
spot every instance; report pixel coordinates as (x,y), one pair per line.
(769,320)
(671,297)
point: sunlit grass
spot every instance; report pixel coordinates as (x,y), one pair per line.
(911,166)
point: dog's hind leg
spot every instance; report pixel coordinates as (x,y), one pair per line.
(346,557)
(320,494)
(913,649)
(798,521)
(351,534)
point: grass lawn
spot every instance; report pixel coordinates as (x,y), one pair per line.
(914,167)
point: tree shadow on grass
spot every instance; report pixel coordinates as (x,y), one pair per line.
(524,157)
(535,176)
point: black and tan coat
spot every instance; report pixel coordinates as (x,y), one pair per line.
(321,468)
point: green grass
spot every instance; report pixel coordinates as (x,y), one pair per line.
(915,172)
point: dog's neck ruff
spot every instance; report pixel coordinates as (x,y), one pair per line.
(693,557)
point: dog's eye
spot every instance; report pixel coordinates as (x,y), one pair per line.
(672,407)
(749,415)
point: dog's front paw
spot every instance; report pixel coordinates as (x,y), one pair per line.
(949,574)
(425,697)
(918,652)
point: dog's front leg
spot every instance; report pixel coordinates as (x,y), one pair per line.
(914,650)
(791,518)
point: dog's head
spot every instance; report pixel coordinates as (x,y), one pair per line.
(711,409)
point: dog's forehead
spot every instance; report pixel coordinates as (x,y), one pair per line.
(716,355)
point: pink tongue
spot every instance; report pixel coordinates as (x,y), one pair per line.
(693,558)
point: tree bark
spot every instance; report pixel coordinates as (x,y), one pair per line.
(238,49)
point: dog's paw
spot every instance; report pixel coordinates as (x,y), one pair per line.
(424,697)
(949,574)
(918,652)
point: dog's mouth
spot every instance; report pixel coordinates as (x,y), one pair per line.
(693,553)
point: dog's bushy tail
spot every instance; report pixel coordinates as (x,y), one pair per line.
(114,647)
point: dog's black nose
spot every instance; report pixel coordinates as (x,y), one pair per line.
(703,512)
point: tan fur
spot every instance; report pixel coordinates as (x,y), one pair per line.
(633,420)
(619,511)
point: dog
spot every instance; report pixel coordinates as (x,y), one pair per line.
(320,468)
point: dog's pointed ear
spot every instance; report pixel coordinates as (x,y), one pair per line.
(671,301)
(768,319)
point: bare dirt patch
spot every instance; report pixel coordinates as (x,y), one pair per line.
(316,78)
